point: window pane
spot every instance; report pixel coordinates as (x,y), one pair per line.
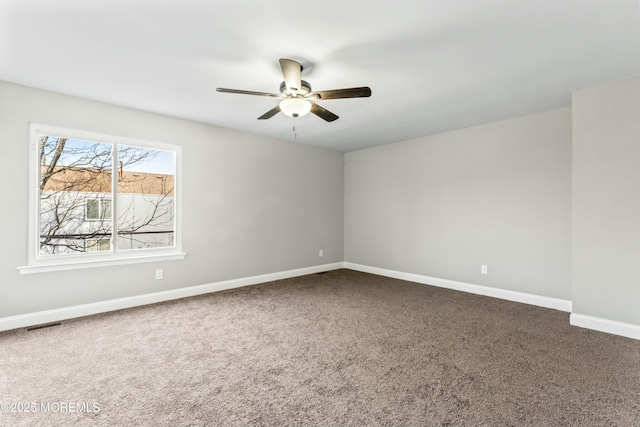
(145,198)
(95,245)
(93,209)
(74,175)
(106,209)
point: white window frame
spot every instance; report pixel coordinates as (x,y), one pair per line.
(37,263)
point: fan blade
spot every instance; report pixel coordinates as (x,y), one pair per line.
(275,110)
(323,113)
(291,72)
(248,92)
(352,92)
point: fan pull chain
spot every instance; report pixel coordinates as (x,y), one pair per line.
(295,134)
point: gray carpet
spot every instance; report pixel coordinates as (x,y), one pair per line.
(341,348)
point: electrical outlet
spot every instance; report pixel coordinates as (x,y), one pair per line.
(321,253)
(484,269)
(159,274)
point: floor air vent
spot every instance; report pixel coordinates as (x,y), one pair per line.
(46,325)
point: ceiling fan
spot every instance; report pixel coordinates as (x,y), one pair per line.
(297,98)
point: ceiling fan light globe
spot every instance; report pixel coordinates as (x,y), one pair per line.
(295,107)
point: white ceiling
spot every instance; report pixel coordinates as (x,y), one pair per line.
(433,65)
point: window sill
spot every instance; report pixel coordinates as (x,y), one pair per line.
(75,265)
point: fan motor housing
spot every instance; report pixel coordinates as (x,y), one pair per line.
(303,91)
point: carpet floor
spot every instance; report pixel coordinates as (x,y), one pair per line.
(340,348)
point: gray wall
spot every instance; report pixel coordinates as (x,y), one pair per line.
(440,206)
(500,194)
(252,205)
(606,201)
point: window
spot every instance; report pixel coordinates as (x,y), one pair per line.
(99,198)
(97,209)
(97,245)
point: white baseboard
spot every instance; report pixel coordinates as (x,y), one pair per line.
(604,325)
(56,315)
(541,301)
(48,316)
